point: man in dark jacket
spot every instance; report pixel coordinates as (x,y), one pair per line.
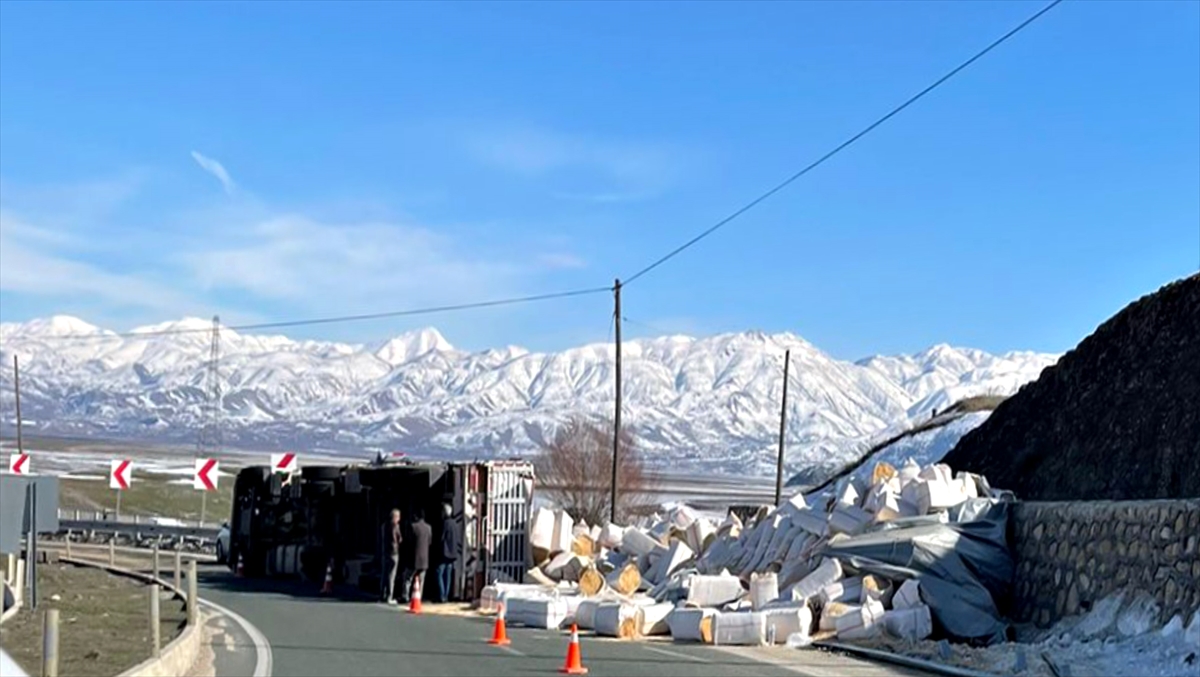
(422,536)
(390,541)
(449,554)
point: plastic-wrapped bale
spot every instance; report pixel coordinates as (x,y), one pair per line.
(848,519)
(591,582)
(619,619)
(764,589)
(541,534)
(539,612)
(492,595)
(585,613)
(830,571)
(625,580)
(782,622)
(678,555)
(635,542)
(611,535)
(690,624)
(557,567)
(860,622)
(739,629)
(908,472)
(908,595)
(583,545)
(654,619)
(564,536)
(877,588)
(847,495)
(778,542)
(681,517)
(912,624)
(713,591)
(581,527)
(812,521)
(847,590)
(700,535)
(831,612)
(935,495)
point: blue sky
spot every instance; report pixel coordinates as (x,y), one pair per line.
(286,160)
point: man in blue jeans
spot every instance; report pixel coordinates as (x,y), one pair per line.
(449,554)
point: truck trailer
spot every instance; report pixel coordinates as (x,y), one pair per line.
(331,517)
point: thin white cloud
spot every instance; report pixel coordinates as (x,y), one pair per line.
(216,169)
(330,266)
(562,260)
(613,170)
(33,261)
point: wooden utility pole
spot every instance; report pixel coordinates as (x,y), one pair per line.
(17,389)
(787,359)
(612,509)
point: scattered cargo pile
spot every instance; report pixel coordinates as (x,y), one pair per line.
(914,553)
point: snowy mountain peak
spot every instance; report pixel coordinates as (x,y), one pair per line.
(411,345)
(710,402)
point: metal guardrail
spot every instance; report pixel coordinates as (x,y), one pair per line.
(147,530)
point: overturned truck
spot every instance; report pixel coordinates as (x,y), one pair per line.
(297,525)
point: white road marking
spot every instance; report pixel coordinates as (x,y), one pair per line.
(674,654)
(262,648)
(512,651)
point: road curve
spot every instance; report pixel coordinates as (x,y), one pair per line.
(311,635)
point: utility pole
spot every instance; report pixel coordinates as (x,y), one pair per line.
(612,509)
(787,359)
(17,389)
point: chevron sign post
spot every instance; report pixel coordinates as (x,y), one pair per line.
(205,477)
(285,463)
(120,476)
(18,464)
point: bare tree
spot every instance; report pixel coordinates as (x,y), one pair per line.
(575,471)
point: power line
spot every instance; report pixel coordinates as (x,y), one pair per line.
(842,146)
(346,318)
(643,325)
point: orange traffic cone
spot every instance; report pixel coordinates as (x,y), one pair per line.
(414,602)
(500,631)
(574,665)
(328,587)
(240,568)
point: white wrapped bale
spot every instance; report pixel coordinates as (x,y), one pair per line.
(654,619)
(676,556)
(625,580)
(935,495)
(908,595)
(538,612)
(848,519)
(713,591)
(554,567)
(848,495)
(857,618)
(739,629)
(831,612)
(541,534)
(911,624)
(493,595)
(610,536)
(700,535)
(775,549)
(635,542)
(618,619)
(681,517)
(937,472)
(581,528)
(690,624)
(877,588)
(908,472)
(764,589)
(847,590)
(782,622)
(564,536)
(830,571)
(793,505)
(585,613)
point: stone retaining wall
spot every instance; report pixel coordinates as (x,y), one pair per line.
(1070,555)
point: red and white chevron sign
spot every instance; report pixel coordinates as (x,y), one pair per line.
(205,477)
(18,464)
(284,463)
(119,475)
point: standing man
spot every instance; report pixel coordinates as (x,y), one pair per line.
(450,547)
(391,541)
(422,536)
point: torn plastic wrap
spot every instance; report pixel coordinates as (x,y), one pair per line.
(963,564)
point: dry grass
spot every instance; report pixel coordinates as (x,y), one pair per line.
(104,624)
(149,495)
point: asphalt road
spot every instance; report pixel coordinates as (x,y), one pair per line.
(319,636)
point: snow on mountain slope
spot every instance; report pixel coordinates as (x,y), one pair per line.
(708,403)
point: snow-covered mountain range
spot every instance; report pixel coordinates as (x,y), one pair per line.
(702,403)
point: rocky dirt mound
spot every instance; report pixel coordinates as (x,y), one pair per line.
(1118,417)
